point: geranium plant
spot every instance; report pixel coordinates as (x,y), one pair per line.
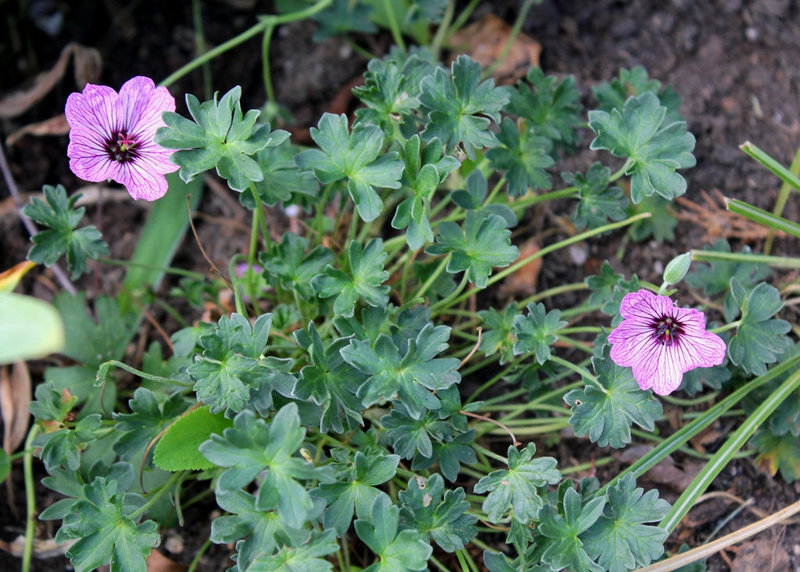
(371,387)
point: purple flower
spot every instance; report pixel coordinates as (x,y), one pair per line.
(111,136)
(661,341)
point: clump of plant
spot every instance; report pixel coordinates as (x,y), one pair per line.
(365,390)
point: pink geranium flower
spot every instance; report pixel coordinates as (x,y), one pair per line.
(661,341)
(111,136)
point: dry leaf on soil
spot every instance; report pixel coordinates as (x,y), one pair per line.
(54,126)
(87,64)
(15,396)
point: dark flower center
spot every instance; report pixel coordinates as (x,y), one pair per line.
(667,330)
(122,147)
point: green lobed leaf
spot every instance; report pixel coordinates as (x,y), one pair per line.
(620,540)
(777,453)
(460,107)
(497,331)
(254,530)
(397,551)
(365,282)
(231,372)
(602,284)
(550,105)
(178,449)
(606,416)
(561,544)
(516,489)
(536,331)
(301,557)
(356,157)
(412,374)
(104,531)
(289,265)
(524,156)
(283,181)
(148,417)
(355,489)
(252,447)
(481,244)
(63,446)
(450,453)
(61,217)
(598,202)
(437,514)
(759,338)
(220,137)
(328,382)
(341,17)
(655,149)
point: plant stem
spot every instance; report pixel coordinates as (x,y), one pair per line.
(30,498)
(253,31)
(397,35)
(162,490)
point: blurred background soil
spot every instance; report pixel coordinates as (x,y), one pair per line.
(735,64)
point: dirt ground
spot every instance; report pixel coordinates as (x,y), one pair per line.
(735,64)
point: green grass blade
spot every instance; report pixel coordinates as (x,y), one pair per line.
(762,217)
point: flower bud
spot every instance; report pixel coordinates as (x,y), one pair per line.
(677,268)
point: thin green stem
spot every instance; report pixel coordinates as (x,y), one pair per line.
(243,37)
(30,498)
(441,31)
(622,170)
(394,28)
(200,45)
(512,36)
(196,560)
(453,297)
(102,373)
(583,372)
(154,497)
(432,278)
(266,71)
(490,454)
(783,196)
(776,261)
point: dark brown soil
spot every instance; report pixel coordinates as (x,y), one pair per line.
(733,62)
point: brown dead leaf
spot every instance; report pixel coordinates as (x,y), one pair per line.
(523,282)
(42,548)
(484,41)
(87,66)
(15,396)
(54,126)
(157,562)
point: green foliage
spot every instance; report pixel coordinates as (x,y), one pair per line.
(759,338)
(289,265)
(498,328)
(437,514)
(231,371)
(148,417)
(536,331)
(482,243)
(598,201)
(62,236)
(366,282)
(219,137)
(63,446)
(105,530)
(654,148)
(305,556)
(328,382)
(410,374)
(607,415)
(460,107)
(602,284)
(517,489)
(661,223)
(282,181)
(620,540)
(560,531)
(398,551)
(355,489)
(353,156)
(423,173)
(252,449)
(391,92)
(523,155)
(550,105)
(343,16)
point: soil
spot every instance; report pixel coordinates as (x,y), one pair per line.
(733,62)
